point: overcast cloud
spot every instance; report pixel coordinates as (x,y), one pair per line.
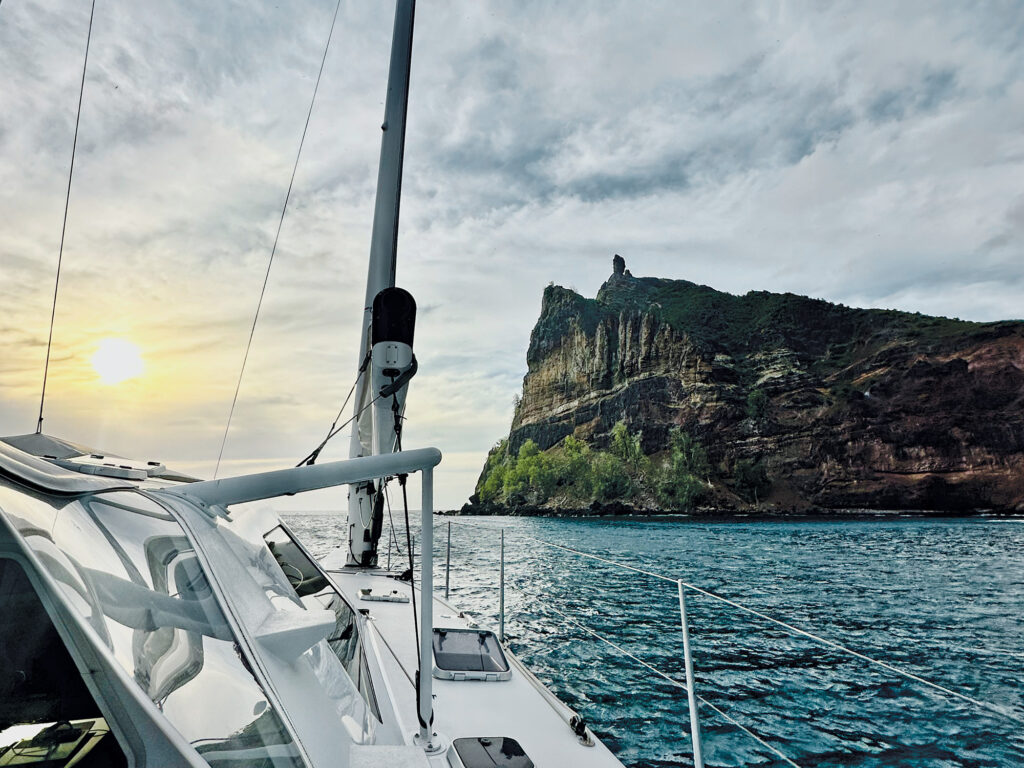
(865,153)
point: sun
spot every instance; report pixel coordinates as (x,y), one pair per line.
(117,360)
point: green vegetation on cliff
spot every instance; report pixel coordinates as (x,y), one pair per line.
(572,473)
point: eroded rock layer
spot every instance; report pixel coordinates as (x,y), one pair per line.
(842,407)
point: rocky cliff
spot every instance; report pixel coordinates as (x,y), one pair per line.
(797,403)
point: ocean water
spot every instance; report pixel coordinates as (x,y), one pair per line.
(943,599)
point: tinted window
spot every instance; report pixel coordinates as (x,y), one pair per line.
(47,715)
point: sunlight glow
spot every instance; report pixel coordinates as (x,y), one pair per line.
(117,360)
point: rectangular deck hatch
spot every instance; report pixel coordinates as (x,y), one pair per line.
(469,654)
(491,752)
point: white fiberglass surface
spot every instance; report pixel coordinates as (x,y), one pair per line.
(513,708)
(127,566)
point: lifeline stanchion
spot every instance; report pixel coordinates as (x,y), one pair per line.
(691,694)
(501,590)
(448,563)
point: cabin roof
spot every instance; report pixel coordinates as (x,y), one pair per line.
(59,466)
(25,468)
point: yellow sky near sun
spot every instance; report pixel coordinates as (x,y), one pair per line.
(139,369)
(117,360)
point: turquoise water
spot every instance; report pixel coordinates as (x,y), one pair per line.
(943,599)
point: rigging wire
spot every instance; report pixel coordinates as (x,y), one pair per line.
(64,225)
(994,709)
(312,456)
(277,236)
(342,409)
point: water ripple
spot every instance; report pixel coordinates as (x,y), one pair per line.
(942,599)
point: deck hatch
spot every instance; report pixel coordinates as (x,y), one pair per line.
(469,654)
(491,752)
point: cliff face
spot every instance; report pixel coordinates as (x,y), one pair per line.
(839,407)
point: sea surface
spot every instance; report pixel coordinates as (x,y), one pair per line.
(942,599)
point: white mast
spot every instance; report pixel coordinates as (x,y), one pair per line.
(365,521)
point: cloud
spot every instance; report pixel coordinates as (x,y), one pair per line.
(933,89)
(859,152)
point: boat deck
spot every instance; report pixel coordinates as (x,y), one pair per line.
(518,708)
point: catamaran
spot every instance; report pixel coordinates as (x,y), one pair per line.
(147,618)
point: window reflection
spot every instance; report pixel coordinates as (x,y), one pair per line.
(302,573)
(47,715)
(307,579)
(166,627)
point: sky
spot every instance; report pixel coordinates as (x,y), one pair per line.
(864,153)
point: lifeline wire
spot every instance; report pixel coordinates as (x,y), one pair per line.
(273,250)
(676,683)
(64,225)
(830,643)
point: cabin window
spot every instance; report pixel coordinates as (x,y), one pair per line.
(300,570)
(308,580)
(163,623)
(48,717)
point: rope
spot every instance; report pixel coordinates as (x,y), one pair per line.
(795,630)
(277,236)
(671,680)
(391,530)
(412,569)
(64,225)
(393,537)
